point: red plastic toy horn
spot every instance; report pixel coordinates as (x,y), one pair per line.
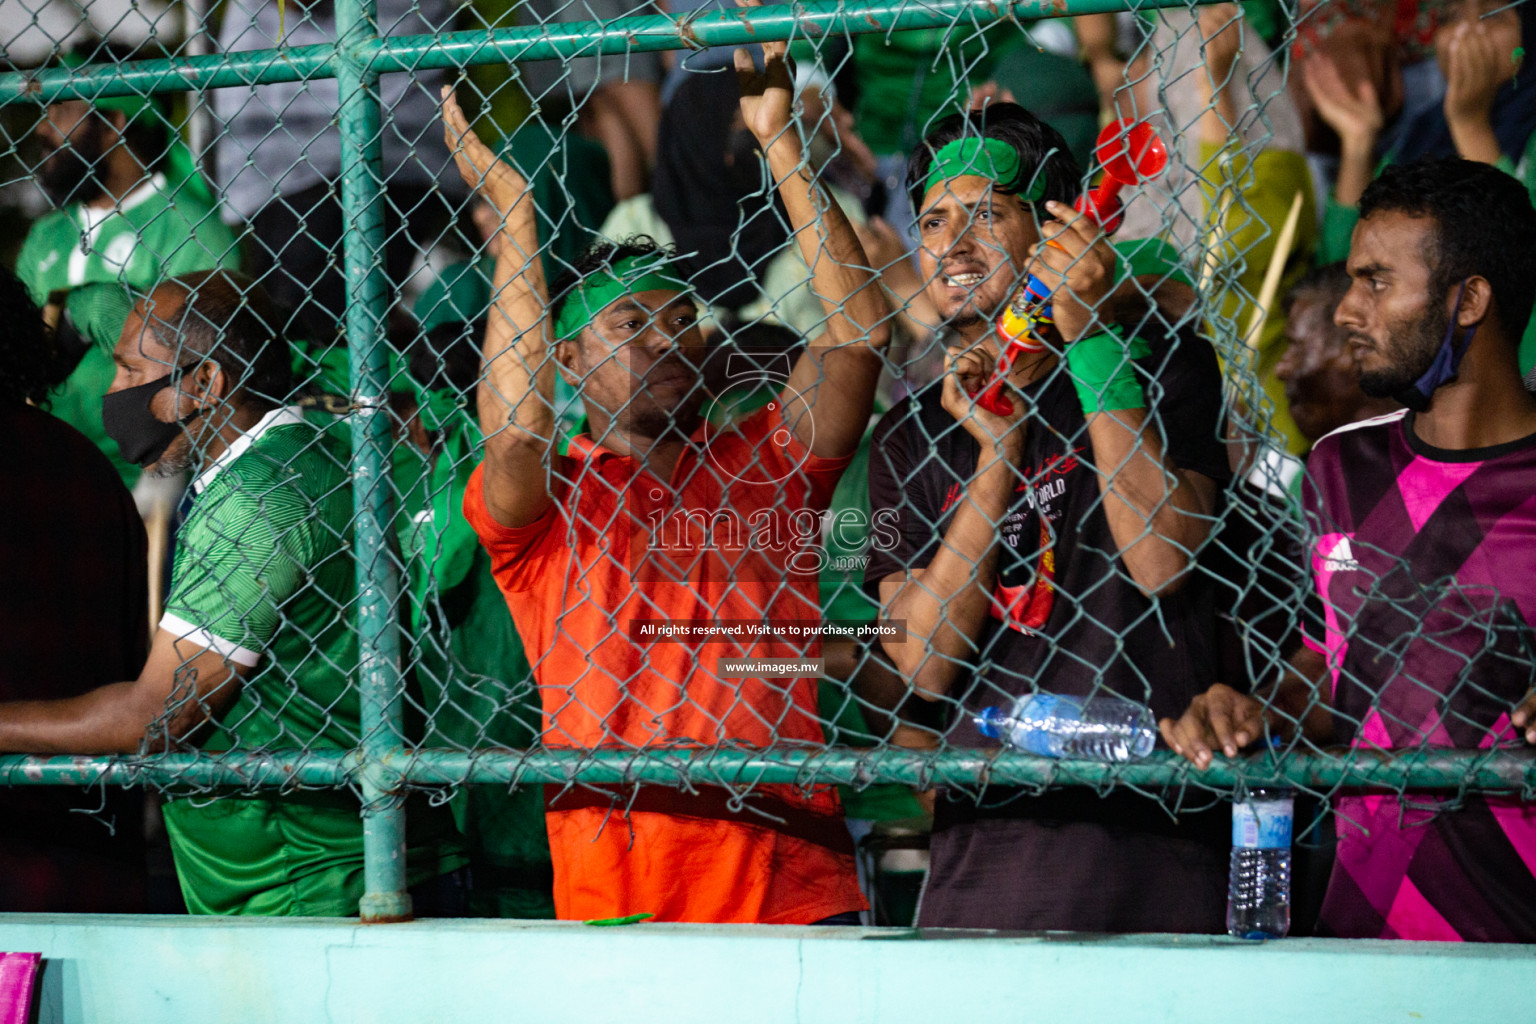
(1130,152)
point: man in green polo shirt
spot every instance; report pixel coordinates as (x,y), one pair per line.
(130,211)
(255,650)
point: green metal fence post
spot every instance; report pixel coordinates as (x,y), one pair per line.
(378,581)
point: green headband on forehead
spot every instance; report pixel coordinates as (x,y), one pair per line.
(628,276)
(985,158)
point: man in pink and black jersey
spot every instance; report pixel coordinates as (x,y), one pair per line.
(1423,526)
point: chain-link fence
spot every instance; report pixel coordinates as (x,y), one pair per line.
(767,562)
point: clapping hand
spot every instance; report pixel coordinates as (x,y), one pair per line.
(1474,70)
(1355,114)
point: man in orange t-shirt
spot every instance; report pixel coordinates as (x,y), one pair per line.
(654,520)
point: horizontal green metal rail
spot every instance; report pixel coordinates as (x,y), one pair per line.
(1437,769)
(495,46)
(280,768)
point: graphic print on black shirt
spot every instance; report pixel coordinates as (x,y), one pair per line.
(1063,601)
(1027,606)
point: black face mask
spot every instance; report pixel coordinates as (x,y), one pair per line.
(141,437)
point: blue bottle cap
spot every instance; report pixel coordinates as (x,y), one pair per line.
(987,723)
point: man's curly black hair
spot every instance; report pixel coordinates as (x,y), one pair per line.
(1484,226)
(1043,153)
(31,364)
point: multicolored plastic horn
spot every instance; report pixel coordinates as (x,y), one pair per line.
(1130,152)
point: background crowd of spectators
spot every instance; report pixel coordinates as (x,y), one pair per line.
(108,204)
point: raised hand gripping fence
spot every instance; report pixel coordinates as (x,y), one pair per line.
(412,715)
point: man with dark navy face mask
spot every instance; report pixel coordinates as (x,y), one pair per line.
(254,650)
(1420,523)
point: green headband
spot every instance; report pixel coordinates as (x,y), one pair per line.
(628,276)
(985,158)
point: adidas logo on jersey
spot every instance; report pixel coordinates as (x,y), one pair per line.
(1341,558)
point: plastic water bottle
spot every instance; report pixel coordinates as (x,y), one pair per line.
(1259,890)
(1101,728)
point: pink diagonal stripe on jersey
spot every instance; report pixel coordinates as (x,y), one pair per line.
(1432,731)
(18,971)
(1373,732)
(1514,531)
(1424,483)
(1373,850)
(1502,731)
(1414,917)
(1333,638)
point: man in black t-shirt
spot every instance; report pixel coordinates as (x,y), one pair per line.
(1052,548)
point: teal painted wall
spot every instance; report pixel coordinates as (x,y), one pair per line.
(128,970)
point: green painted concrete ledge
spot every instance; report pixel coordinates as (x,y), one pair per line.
(128,970)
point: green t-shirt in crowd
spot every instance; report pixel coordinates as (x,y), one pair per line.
(909,81)
(264,575)
(152,234)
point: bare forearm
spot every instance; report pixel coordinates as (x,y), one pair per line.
(1475,140)
(1095,37)
(849,290)
(1218,118)
(840,370)
(1356,164)
(1296,698)
(1218,122)
(840,384)
(108,720)
(516,396)
(945,604)
(516,336)
(871,678)
(906,287)
(1157,514)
